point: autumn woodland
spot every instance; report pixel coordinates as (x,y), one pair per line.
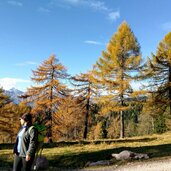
(101,103)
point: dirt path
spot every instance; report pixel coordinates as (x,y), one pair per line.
(158,165)
(146,165)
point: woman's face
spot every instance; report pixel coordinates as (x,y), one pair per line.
(22,121)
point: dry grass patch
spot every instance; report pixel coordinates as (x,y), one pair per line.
(77,154)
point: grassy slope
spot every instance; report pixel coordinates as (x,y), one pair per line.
(77,154)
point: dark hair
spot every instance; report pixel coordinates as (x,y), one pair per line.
(27,117)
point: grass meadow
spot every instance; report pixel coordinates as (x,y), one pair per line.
(75,154)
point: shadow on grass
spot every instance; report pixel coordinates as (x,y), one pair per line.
(79,160)
(86,142)
(6,146)
(5,165)
(70,143)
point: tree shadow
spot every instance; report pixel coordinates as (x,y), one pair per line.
(79,160)
(86,142)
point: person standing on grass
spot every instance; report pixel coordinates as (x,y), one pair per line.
(25,146)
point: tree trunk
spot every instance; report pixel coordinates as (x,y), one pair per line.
(49,130)
(86,120)
(122,129)
(50,117)
(85,126)
(87,116)
(170,88)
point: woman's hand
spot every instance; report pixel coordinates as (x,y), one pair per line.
(28,158)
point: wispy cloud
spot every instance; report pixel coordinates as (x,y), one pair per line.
(26,63)
(44,10)
(92,42)
(166,26)
(75,2)
(8,83)
(92,4)
(114,15)
(15,3)
(98,5)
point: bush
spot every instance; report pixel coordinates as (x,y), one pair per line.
(159,124)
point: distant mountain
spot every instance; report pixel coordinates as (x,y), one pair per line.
(14,93)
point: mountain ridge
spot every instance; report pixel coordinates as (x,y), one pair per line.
(14,93)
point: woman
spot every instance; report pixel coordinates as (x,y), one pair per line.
(25,146)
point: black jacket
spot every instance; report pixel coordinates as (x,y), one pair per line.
(28,143)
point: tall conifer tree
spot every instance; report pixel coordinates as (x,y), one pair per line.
(158,71)
(68,119)
(84,90)
(49,90)
(115,70)
(6,116)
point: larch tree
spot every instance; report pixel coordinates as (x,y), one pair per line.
(115,70)
(9,116)
(12,114)
(4,99)
(6,116)
(84,90)
(158,71)
(49,90)
(69,120)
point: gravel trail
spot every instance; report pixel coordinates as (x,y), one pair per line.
(145,165)
(158,165)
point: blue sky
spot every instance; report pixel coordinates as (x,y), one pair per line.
(75,30)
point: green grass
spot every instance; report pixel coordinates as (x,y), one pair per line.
(76,154)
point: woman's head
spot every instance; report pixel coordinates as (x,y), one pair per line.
(26,119)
